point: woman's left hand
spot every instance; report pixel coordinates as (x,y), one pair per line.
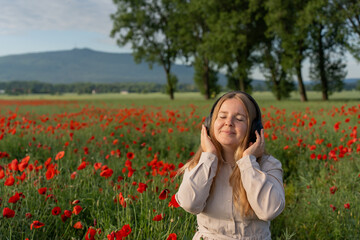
(258,147)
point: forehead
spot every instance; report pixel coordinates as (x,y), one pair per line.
(233,105)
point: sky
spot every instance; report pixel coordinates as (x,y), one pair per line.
(28,26)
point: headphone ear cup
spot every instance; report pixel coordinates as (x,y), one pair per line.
(256,126)
(207,124)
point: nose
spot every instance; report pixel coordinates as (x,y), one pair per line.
(228,121)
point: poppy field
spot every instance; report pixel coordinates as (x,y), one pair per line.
(106,169)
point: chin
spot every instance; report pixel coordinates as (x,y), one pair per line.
(228,144)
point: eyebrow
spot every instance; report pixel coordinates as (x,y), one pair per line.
(236,114)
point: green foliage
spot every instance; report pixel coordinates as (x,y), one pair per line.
(326,46)
(348,12)
(33,87)
(147,27)
(288,21)
(335,73)
(206,78)
(236,35)
(278,80)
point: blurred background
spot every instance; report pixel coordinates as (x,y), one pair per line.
(123,46)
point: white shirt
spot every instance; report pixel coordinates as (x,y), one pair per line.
(217,216)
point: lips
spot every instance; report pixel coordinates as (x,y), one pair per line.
(227,132)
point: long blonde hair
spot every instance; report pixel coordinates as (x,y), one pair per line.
(239,194)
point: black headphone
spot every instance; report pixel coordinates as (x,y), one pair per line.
(256,123)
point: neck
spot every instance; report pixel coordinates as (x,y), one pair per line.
(229,155)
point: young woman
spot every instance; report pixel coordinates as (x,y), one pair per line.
(233,186)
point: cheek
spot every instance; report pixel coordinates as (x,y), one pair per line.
(217,127)
(242,128)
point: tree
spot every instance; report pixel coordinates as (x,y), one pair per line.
(278,80)
(348,11)
(287,19)
(326,45)
(212,89)
(148,26)
(193,31)
(334,75)
(237,29)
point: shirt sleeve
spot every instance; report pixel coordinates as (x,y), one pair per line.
(195,186)
(264,187)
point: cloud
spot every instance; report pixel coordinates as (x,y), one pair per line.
(20,16)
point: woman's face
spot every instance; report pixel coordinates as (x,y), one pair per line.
(230,125)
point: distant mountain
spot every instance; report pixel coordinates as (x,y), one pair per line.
(86,65)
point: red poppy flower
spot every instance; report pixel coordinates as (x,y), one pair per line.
(14,165)
(63,217)
(78,225)
(42,191)
(130,155)
(24,163)
(128,164)
(14,198)
(67,213)
(36,224)
(172,236)
(56,211)
(97,166)
(28,215)
(81,166)
(333,189)
(123,232)
(337,126)
(75,201)
(173,202)
(2,174)
(158,217)
(77,209)
(122,200)
(107,173)
(347,205)
(50,173)
(8,213)
(90,234)
(142,187)
(9,181)
(333,207)
(111,236)
(60,155)
(164,194)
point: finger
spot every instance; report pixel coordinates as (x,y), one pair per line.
(258,139)
(203,131)
(262,136)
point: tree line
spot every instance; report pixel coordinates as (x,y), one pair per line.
(234,36)
(35,87)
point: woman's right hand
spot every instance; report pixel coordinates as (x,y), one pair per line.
(206,143)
